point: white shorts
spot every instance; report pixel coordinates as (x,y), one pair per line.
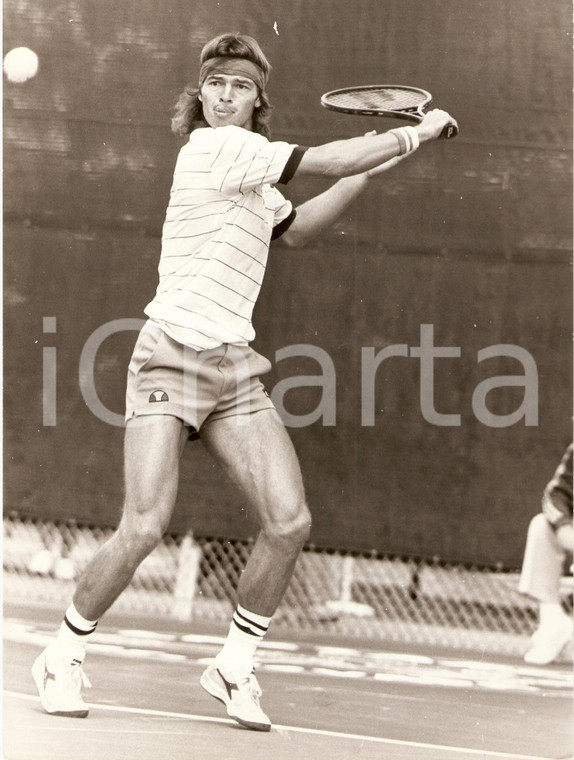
(198,387)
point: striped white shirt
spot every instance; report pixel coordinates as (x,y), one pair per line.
(216,235)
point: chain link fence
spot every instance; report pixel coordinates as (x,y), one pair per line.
(374,597)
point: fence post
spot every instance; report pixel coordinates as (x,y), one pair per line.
(186,580)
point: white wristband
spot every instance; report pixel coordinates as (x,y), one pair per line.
(408,139)
(413,136)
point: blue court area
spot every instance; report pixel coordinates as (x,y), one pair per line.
(326,700)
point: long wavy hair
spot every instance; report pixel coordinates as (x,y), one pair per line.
(188,111)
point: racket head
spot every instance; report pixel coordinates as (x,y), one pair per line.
(398,101)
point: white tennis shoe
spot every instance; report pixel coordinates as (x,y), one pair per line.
(59,683)
(549,640)
(241,698)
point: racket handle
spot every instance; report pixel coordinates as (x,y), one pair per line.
(449,132)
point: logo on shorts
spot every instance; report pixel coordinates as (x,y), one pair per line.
(158,396)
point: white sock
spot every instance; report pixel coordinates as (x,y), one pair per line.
(246,631)
(550,612)
(74,634)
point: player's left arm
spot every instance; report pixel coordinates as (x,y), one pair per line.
(319,213)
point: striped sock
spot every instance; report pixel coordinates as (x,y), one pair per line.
(246,631)
(74,633)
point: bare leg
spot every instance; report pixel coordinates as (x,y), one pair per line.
(152,451)
(257,454)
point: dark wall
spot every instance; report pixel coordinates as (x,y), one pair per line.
(472,237)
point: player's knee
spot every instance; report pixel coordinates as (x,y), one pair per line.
(142,534)
(300,529)
(294,529)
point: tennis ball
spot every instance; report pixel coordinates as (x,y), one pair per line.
(20,64)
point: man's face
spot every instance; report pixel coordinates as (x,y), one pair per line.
(229,100)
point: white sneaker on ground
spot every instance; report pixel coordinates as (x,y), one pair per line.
(241,698)
(59,683)
(548,641)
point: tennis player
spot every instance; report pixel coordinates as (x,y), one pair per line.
(549,547)
(193,373)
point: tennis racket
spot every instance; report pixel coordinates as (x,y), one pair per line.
(409,103)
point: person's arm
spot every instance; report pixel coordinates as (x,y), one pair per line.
(321,212)
(345,158)
(557,496)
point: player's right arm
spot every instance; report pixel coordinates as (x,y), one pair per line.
(344,158)
(319,213)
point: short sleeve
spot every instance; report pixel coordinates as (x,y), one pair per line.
(243,160)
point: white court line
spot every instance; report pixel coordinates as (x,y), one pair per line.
(298,730)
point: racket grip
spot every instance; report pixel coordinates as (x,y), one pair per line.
(449,132)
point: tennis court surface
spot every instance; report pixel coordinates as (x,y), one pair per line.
(326,700)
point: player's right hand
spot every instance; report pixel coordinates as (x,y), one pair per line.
(433,123)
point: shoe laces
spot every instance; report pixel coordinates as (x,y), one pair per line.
(78,676)
(251,685)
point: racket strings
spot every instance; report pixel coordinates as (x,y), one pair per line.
(393,99)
